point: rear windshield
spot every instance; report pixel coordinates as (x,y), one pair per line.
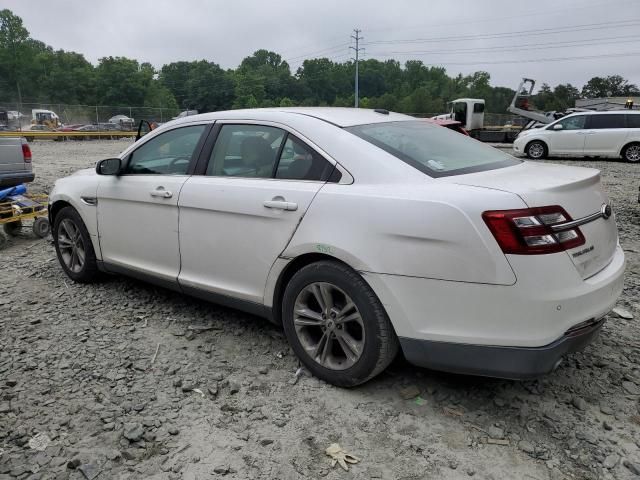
(434,150)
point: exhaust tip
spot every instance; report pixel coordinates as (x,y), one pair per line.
(557,364)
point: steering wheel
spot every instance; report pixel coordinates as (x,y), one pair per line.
(177,160)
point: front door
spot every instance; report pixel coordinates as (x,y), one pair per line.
(570,139)
(238,217)
(138,209)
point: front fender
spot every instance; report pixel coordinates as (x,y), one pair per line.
(72,190)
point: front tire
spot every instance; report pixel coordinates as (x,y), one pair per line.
(336,325)
(73,247)
(631,153)
(536,150)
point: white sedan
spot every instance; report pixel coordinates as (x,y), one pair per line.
(362,232)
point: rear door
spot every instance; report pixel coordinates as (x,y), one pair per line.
(570,139)
(138,209)
(239,215)
(605,134)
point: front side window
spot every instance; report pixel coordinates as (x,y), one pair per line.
(246,151)
(433,150)
(599,122)
(572,123)
(167,154)
(460,112)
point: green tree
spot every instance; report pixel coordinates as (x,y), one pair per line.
(611,86)
(266,75)
(14,51)
(121,81)
(565,96)
(208,88)
(66,77)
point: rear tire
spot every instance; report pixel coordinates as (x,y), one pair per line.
(73,247)
(631,153)
(359,339)
(536,150)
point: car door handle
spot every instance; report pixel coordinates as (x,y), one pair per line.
(281,205)
(161,192)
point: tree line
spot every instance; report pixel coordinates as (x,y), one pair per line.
(32,72)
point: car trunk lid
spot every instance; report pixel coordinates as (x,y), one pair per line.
(11,159)
(577,190)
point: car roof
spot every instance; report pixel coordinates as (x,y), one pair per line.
(339,116)
(603,112)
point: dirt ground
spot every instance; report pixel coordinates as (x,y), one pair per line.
(109,381)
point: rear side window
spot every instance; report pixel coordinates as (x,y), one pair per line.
(433,150)
(478,107)
(633,121)
(246,151)
(606,121)
(298,161)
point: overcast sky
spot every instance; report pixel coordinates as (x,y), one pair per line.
(507,38)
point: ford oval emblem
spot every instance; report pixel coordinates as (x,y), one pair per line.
(605,211)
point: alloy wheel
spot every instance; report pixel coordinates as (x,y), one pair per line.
(633,153)
(536,150)
(329,326)
(71,245)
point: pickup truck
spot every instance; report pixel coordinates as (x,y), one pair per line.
(15,162)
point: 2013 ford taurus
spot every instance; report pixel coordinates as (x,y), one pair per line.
(363,232)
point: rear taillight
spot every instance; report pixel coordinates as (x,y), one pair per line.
(528,231)
(26,153)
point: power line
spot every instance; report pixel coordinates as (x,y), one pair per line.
(529,46)
(518,33)
(336,47)
(538,60)
(519,15)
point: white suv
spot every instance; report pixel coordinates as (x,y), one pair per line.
(594,134)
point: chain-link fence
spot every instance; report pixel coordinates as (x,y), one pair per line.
(55,115)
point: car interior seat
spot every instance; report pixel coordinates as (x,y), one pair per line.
(257,153)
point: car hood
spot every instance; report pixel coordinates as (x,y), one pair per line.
(84,171)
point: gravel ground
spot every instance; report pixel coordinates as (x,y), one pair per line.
(109,381)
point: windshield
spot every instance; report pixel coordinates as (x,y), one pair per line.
(435,151)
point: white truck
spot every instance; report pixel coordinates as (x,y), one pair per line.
(15,162)
(48,118)
(470,112)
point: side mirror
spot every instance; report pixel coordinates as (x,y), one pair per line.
(558,126)
(109,166)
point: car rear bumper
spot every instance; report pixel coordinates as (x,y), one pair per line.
(455,325)
(516,363)
(13,179)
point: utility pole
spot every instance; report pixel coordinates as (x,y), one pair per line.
(357,49)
